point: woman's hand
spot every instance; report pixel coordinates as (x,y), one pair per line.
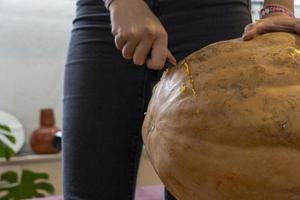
(275,22)
(139,34)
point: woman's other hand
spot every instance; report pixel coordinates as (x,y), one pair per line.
(275,22)
(139,34)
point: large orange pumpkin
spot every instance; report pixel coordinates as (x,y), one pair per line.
(224,124)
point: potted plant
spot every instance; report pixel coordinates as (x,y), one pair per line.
(6,141)
(29,184)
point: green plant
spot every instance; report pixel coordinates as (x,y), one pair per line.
(6,151)
(28,187)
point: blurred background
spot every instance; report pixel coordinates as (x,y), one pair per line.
(32,56)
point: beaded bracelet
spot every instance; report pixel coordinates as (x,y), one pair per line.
(273,8)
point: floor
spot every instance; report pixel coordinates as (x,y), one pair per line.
(142,193)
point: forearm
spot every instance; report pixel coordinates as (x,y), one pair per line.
(287,3)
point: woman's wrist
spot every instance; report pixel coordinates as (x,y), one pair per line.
(290,4)
(275,9)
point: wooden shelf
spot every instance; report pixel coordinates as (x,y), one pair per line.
(34,158)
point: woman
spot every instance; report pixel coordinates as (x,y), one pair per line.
(116,55)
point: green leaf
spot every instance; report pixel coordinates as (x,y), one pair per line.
(6,131)
(11,188)
(31,188)
(5,151)
(9,176)
(30,185)
(45,186)
(11,138)
(5,128)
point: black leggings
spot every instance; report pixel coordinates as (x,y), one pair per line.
(105,96)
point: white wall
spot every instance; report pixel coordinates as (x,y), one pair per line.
(34,35)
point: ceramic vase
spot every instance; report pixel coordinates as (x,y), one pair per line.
(42,139)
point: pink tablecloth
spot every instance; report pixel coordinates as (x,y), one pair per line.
(142,193)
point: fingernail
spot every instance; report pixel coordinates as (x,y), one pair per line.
(245,36)
(173,62)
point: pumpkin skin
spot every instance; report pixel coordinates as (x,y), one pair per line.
(224,124)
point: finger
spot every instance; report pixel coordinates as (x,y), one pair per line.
(287,21)
(249,32)
(128,48)
(272,27)
(120,41)
(249,35)
(267,27)
(248,28)
(142,50)
(171,58)
(290,24)
(159,54)
(297,27)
